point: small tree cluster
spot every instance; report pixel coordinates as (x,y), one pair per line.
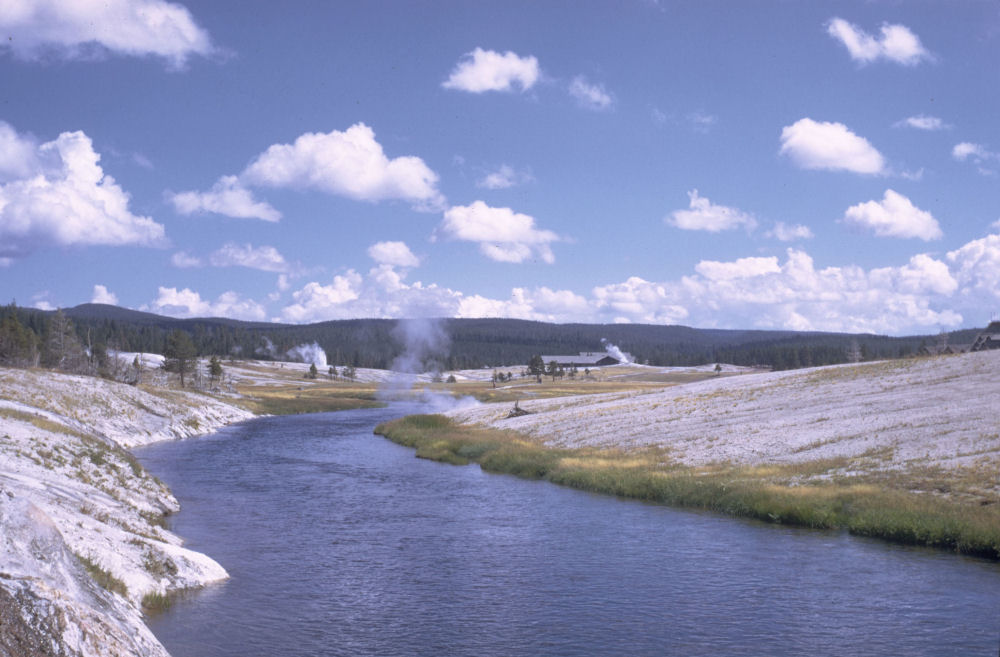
(18,344)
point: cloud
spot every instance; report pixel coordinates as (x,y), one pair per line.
(922,274)
(766,293)
(487,70)
(102,295)
(184,260)
(349,163)
(639,300)
(977,268)
(894,216)
(787,233)
(897,43)
(187,303)
(19,157)
(396,254)
(56,194)
(540,304)
(263,258)
(831,146)
(703,215)
(384,292)
(590,96)
(74,30)
(741,268)
(701,122)
(317,302)
(770,292)
(503,235)
(922,122)
(227,197)
(503,178)
(965,150)
(978,153)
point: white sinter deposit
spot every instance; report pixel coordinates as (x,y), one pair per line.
(939,411)
(72,500)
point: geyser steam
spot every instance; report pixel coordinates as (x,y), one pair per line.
(308,353)
(615,352)
(425,349)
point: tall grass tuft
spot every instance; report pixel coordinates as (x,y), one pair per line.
(861,508)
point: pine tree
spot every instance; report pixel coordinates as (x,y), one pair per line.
(18,344)
(180,354)
(215,368)
(62,349)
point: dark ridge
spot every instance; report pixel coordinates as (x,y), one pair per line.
(475,343)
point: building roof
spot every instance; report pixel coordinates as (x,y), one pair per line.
(584,358)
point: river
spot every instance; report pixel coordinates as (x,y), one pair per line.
(339,542)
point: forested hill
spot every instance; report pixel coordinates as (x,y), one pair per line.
(472,343)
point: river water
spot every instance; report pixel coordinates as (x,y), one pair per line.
(340,542)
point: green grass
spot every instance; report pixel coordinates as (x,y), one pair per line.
(770,494)
(156,603)
(103,578)
(320,398)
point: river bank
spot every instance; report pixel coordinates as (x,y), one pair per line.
(906,451)
(84,545)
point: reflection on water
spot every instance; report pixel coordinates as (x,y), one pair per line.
(342,543)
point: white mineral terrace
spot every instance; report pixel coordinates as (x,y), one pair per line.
(941,411)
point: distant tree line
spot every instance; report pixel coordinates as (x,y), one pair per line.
(79,338)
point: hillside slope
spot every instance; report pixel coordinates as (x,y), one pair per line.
(883,417)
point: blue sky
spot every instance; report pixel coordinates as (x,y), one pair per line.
(813,166)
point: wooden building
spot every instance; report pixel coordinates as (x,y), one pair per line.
(988,339)
(586,359)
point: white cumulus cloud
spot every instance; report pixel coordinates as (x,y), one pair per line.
(188,303)
(384,292)
(263,258)
(790,233)
(979,154)
(502,234)
(58,195)
(396,254)
(702,214)
(741,268)
(540,304)
(894,216)
(922,122)
(504,177)
(349,163)
(590,96)
(227,197)
(831,146)
(639,300)
(102,295)
(487,70)
(184,260)
(84,29)
(895,43)
(977,267)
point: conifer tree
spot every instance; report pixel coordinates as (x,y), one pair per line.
(180,354)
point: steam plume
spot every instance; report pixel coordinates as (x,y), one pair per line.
(615,352)
(308,353)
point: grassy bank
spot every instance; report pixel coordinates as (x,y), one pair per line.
(774,494)
(295,400)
